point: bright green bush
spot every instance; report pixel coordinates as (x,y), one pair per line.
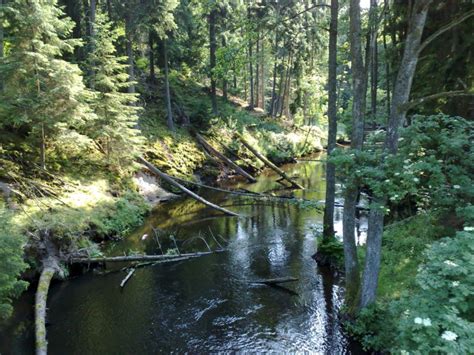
(11,263)
(439,316)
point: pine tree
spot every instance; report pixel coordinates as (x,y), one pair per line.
(43,94)
(114,130)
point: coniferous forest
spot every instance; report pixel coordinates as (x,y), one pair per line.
(202,176)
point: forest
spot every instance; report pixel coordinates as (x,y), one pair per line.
(236,176)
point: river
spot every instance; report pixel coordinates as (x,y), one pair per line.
(205,304)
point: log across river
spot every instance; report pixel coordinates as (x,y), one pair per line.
(211,303)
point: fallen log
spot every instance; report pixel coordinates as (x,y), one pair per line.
(171,181)
(133,258)
(269,163)
(125,280)
(40,309)
(222,157)
(275,281)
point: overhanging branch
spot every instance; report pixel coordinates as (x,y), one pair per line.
(445,28)
(416,102)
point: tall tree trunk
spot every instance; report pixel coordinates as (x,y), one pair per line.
(275,67)
(169,119)
(92,15)
(43,148)
(387,62)
(151,55)
(1,45)
(251,87)
(401,94)
(262,73)
(212,56)
(109,10)
(130,57)
(373,60)
(352,190)
(224,80)
(328,223)
(257,72)
(92,41)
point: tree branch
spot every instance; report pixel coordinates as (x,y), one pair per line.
(416,102)
(445,28)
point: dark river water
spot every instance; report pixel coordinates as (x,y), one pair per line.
(205,304)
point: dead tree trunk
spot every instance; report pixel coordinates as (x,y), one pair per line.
(269,163)
(198,198)
(135,258)
(50,268)
(226,160)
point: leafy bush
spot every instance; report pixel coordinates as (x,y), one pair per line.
(11,263)
(439,316)
(435,314)
(127,214)
(434,165)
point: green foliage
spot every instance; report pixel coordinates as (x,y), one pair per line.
(43,94)
(403,247)
(439,315)
(332,249)
(11,262)
(114,130)
(127,214)
(434,165)
(423,291)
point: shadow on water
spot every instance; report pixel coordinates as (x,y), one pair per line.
(207,304)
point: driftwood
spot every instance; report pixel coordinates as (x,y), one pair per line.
(134,258)
(222,157)
(275,281)
(125,280)
(269,163)
(173,182)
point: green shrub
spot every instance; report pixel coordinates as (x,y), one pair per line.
(11,263)
(439,316)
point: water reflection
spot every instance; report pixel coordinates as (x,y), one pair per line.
(208,304)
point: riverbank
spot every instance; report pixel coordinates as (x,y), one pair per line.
(81,201)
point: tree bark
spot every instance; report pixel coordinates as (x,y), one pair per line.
(40,309)
(262,73)
(275,60)
(268,162)
(257,73)
(401,94)
(387,62)
(151,55)
(168,179)
(1,44)
(224,80)
(328,223)
(251,87)
(373,60)
(130,56)
(352,190)
(169,119)
(212,57)
(134,258)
